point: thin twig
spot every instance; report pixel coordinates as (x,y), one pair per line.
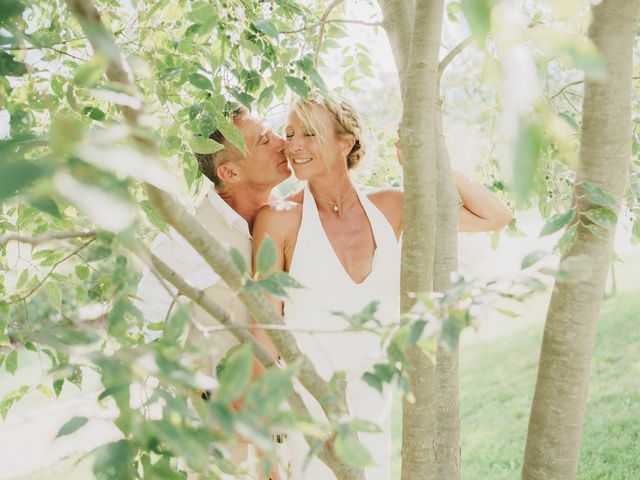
(50,272)
(4,239)
(323,21)
(334,20)
(564,95)
(453,53)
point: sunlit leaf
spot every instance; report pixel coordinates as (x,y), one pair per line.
(129,162)
(105,210)
(200,81)
(71,426)
(199,144)
(351,451)
(266,257)
(556,222)
(265,26)
(236,374)
(11,362)
(532,258)
(529,142)
(297,85)
(598,196)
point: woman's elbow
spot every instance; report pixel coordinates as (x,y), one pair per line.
(501,219)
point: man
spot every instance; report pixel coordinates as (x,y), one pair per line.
(242,183)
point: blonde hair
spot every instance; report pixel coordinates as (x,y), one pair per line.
(345,117)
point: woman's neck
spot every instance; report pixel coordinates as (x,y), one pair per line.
(332,194)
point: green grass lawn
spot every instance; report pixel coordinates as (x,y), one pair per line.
(497,381)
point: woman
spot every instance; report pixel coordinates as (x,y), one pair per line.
(343,245)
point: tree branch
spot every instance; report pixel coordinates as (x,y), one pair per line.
(323,21)
(210,249)
(46,237)
(455,51)
(334,20)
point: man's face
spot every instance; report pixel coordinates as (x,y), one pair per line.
(265,164)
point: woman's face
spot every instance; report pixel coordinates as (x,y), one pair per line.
(307,155)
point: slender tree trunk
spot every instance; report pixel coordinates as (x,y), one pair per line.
(447,442)
(417,134)
(558,409)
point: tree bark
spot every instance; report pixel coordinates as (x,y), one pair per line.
(447,442)
(557,414)
(417,134)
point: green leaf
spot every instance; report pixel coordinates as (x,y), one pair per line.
(200,81)
(532,258)
(117,325)
(115,461)
(298,86)
(264,100)
(556,222)
(153,216)
(9,67)
(351,451)
(175,325)
(236,374)
(47,205)
(266,257)
(17,175)
(238,260)
(71,426)
(598,196)
(285,280)
(266,26)
(232,133)
(207,125)
(88,74)
(9,9)
(94,113)
(527,154)
(478,15)
(11,362)
(567,239)
(203,12)
(199,144)
(54,295)
(603,217)
(57,386)
(82,272)
(10,398)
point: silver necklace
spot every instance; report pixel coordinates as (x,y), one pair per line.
(334,205)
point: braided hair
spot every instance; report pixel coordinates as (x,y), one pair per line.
(346,119)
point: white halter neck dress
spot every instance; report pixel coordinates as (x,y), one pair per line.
(329,288)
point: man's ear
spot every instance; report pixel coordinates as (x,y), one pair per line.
(228,172)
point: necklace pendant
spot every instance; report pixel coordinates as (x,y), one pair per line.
(335,208)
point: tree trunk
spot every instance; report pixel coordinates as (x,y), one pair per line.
(417,134)
(558,409)
(447,442)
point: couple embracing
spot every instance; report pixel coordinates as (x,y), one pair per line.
(339,241)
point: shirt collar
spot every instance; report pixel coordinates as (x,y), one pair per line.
(230,216)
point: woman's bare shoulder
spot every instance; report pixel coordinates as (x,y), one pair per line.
(386,197)
(389,201)
(279,217)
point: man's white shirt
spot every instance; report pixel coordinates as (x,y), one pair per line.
(155,301)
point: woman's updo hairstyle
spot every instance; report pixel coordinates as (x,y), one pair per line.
(346,119)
